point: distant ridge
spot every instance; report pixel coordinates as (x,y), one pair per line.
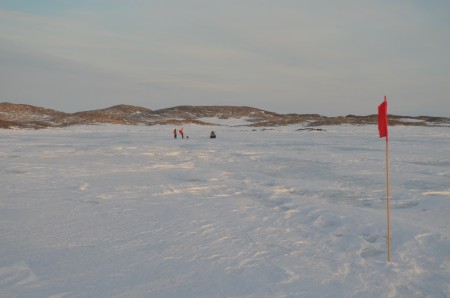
(28,116)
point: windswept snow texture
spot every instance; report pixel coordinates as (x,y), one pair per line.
(128,211)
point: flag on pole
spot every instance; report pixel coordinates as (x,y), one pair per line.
(383,130)
(383,119)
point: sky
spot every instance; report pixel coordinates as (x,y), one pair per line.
(287,56)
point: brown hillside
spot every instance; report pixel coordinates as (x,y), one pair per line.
(20,115)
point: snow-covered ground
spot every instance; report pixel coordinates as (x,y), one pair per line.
(127,211)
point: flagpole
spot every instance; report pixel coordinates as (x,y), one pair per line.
(383,130)
(388,203)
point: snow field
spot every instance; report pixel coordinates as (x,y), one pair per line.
(127,211)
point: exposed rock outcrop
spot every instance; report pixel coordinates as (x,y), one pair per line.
(28,116)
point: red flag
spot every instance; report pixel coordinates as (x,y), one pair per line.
(383,119)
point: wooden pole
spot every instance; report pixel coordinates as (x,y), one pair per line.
(388,203)
(383,130)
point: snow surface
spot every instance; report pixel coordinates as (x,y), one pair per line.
(127,211)
(227,122)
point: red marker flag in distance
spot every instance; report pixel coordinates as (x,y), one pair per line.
(383,119)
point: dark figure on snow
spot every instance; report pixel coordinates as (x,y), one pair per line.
(175,133)
(212,135)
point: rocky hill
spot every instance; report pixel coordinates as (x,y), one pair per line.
(28,116)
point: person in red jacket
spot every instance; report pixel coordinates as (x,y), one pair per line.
(175,133)
(182,133)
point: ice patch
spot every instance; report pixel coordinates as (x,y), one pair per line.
(17,275)
(436,193)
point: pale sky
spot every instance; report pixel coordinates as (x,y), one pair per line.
(328,57)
